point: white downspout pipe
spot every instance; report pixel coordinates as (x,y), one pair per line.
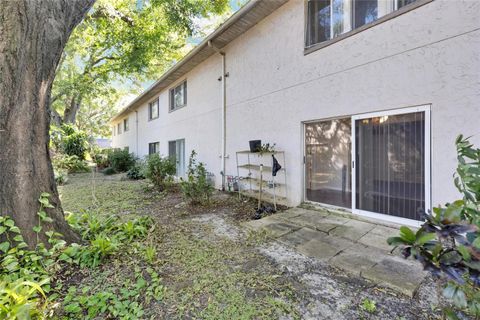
(136,132)
(224,112)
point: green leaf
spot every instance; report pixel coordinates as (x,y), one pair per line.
(396,241)
(37,229)
(407,234)
(451,257)
(464,252)
(4,246)
(15,229)
(2,229)
(424,237)
(9,223)
(476,243)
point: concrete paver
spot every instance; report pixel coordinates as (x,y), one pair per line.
(355,246)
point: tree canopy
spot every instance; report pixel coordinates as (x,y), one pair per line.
(120,45)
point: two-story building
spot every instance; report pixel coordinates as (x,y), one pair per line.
(364,97)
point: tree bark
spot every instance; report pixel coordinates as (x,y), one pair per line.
(70,113)
(33,35)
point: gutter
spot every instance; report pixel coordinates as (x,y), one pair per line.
(222,78)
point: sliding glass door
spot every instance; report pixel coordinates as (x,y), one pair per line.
(378,164)
(327,162)
(391,152)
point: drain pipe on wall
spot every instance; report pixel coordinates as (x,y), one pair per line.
(224,111)
(136,132)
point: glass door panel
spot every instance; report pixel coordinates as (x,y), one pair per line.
(176,151)
(327,162)
(390,164)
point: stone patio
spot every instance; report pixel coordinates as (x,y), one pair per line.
(355,246)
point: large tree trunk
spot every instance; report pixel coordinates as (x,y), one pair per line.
(33,35)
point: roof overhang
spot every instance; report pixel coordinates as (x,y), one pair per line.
(241,21)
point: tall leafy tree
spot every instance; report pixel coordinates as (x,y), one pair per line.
(122,43)
(33,35)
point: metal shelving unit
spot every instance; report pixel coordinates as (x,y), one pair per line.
(273,189)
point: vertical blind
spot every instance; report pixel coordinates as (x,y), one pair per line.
(390,165)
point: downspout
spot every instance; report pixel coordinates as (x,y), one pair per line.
(224,112)
(136,132)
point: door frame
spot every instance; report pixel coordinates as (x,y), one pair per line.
(426,108)
(427,164)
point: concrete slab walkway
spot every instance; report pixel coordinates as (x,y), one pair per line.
(355,246)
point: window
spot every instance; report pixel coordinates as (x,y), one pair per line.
(327,19)
(125,125)
(153,147)
(153,110)
(119,128)
(114,131)
(178,96)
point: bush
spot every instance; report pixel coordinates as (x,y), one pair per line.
(196,188)
(67,139)
(100,156)
(136,172)
(61,176)
(121,160)
(70,164)
(448,242)
(108,171)
(160,170)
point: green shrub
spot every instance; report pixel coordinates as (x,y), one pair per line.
(121,160)
(136,172)
(61,176)
(448,242)
(108,171)
(100,157)
(160,170)
(196,188)
(70,141)
(69,163)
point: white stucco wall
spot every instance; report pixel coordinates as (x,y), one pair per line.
(430,55)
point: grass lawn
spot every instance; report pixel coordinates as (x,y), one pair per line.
(198,274)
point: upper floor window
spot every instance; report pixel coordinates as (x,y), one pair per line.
(114,131)
(178,96)
(119,128)
(328,19)
(153,110)
(125,125)
(153,147)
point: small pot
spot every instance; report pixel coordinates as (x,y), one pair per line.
(255,145)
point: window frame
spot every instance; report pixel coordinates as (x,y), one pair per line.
(185,94)
(126,124)
(157,100)
(388,16)
(119,128)
(157,150)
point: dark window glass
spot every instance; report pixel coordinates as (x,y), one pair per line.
(153,147)
(402,3)
(390,165)
(178,96)
(365,11)
(153,110)
(125,124)
(318,21)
